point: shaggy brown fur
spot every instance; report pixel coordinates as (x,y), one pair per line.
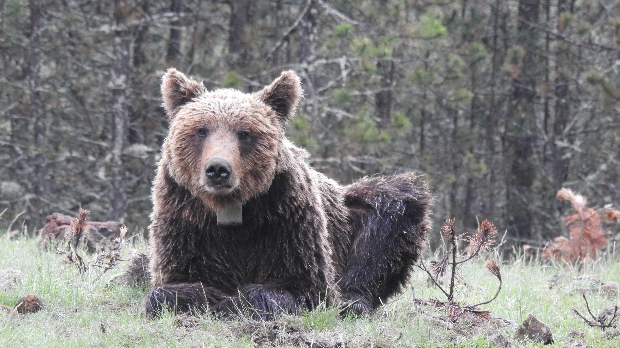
(303,239)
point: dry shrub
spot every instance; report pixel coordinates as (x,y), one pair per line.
(481,240)
(606,320)
(586,235)
(104,260)
(612,214)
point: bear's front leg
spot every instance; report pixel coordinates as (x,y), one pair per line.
(262,302)
(182,298)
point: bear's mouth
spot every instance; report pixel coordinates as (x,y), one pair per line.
(221,186)
(220,189)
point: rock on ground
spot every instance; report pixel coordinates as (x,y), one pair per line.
(534,330)
(30,303)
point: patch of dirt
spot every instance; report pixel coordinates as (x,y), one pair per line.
(68,331)
(117,306)
(576,339)
(278,333)
(186,321)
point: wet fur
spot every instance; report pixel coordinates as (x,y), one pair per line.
(304,239)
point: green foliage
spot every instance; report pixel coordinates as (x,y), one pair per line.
(462,95)
(477,342)
(300,132)
(321,318)
(232,80)
(565,20)
(402,123)
(300,123)
(367,47)
(455,67)
(468,76)
(608,88)
(423,77)
(343,29)
(430,27)
(365,130)
(80,312)
(477,51)
(369,66)
(343,96)
(474,165)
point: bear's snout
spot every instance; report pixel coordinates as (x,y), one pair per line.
(218,173)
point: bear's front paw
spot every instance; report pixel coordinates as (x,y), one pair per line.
(265,302)
(228,307)
(178,298)
(155,302)
(358,307)
(235,306)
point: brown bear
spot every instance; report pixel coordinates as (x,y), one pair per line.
(241,222)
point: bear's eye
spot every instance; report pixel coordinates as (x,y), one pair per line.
(202,132)
(243,135)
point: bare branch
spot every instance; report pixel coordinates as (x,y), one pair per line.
(290,29)
(601,321)
(423,267)
(334,12)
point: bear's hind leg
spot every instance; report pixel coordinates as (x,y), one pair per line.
(389,217)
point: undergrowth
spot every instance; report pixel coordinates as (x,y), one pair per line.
(82,310)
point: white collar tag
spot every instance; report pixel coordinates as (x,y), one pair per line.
(232,216)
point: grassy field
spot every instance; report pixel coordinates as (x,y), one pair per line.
(83,310)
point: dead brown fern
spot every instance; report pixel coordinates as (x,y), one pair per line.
(77,231)
(482,239)
(611,214)
(586,235)
(105,260)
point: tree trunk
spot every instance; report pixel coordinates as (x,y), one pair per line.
(521,115)
(469,220)
(237,38)
(308,35)
(423,115)
(37,113)
(560,164)
(489,205)
(455,157)
(173,54)
(120,110)
(139,57)
(383,98)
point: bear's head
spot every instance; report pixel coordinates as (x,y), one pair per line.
(226,146)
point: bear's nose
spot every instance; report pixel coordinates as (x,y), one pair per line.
(218,171)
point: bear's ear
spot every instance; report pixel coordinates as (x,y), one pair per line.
(282,95)
(177,89)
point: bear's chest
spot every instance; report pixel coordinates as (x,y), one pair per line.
(248,254)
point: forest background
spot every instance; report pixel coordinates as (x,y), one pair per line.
(499,102)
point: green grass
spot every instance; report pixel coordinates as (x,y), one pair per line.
(84,312)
